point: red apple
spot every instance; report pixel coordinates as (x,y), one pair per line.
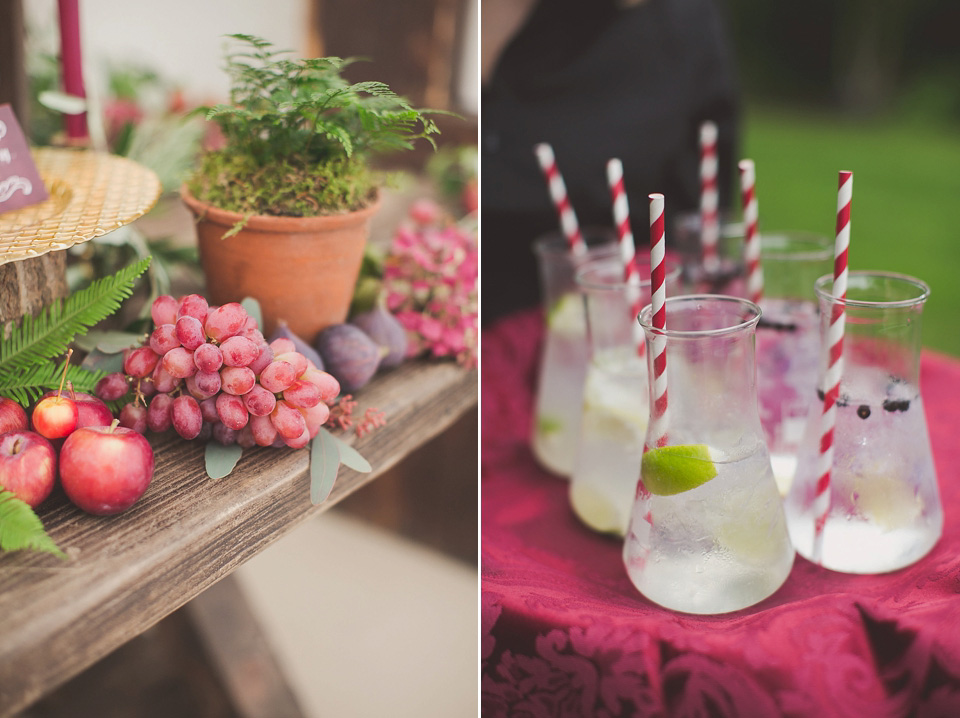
(12,416)
(91,410)
(55,416)
(28,465)
(105,469)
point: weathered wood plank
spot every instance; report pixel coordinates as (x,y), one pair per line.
(241,653)
(127,572)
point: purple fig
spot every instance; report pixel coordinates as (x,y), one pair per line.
(387,331)
(303,347)
(349,354)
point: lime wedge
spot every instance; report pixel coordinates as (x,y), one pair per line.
(566,316)
(670,470)
(549,425)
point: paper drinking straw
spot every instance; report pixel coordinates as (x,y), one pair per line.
(658,414)
(831,388)
(558,193)
(709,196)
(748,195)
(621,218)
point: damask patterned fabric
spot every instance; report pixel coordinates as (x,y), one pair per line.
(565,634)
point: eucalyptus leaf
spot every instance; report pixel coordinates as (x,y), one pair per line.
(221,459)
(116,342)
(62,102)
(324,465)
(253,309)
(350,457)
(97,360)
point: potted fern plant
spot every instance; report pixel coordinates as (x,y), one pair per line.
(283,207)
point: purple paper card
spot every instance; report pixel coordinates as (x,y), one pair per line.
(20,183)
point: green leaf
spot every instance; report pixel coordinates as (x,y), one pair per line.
(221,459)
(324,465)
(33,381)
(253,309)
(112,342)
(106,363)
(39,339)
(350,457)
(21,528)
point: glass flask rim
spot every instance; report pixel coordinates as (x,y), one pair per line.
(824,289)
(730,228)
(554,243)
(820,247)
(753,307)
(595,265)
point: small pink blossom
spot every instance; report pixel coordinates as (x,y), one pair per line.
(430,284)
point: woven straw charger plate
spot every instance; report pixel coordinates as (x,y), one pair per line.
(91,193)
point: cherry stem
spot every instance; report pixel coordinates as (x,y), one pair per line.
(66,365)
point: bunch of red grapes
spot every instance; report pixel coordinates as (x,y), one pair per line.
(208,372)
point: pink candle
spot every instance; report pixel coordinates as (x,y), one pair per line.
(71,65)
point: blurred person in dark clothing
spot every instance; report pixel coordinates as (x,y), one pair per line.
(596,79)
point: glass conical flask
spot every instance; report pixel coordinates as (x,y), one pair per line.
(613,423)
(788,341)
(881,509)
(563,357)
(707,531)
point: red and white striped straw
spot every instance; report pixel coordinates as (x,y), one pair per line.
(658,294)
(748,194)
(831,388)
(621,218)
(709,196)
(558,193)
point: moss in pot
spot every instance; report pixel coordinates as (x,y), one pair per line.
(283,207)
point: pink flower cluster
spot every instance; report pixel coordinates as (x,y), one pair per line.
(430,285)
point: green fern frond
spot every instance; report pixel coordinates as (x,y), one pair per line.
(39,339)
(21,528)
(26,386)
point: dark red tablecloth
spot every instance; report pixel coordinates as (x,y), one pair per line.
(564,632)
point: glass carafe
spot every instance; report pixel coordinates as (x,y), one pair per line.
(727,275)
(615,396)
(707,531)
(880,510)
(788,341)
(563,357)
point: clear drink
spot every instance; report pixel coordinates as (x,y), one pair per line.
(564,354)
(707,531)
(879,520)
(728,275)
(883,508)
(612,430)
(560,389)
(788,341)
(715,548)
(615,396)
(788,351)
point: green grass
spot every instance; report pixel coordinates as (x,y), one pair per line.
(905,215)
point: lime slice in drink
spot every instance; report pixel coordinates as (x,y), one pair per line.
(566,316)
(547,425)
(670,470)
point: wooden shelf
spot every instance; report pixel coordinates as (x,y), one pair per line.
(125,573)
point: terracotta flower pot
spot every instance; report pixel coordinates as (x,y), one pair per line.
(301,269)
